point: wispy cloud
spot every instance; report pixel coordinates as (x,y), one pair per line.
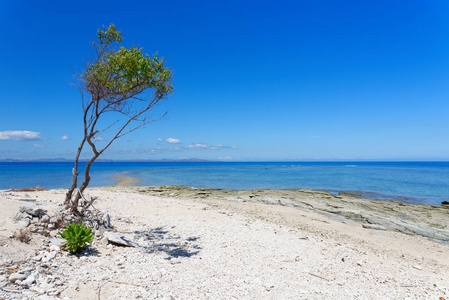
(65,138)
(160,140)
(205,146)
(20,135)
(197,146)
(172,141)
(38,146)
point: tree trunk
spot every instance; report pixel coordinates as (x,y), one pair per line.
(74,203)
(68,195)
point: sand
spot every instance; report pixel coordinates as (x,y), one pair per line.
(211,244)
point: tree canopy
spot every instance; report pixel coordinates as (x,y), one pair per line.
(121,80)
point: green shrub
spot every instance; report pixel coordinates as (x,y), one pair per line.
(77,236)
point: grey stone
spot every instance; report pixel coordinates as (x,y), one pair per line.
(32,209)
(12,288)
(45,218)
(53,292)
(104,241)
(24,223)
(16,277)
(48,257)
(55,248)
(107,220)
(57,242)
(119,239)
(30,280)
(22,215)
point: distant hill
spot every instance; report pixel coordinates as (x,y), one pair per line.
(102,160)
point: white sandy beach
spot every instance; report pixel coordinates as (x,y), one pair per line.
(206,248)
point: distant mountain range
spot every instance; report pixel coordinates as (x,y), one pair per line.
(102,160)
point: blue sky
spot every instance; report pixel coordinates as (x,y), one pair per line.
(253,80)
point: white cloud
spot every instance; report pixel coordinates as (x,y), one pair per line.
(20,135)
(38,146)
(99,138)
(197,146)
(205,146)
(65,138)
(160,140)
(172,141)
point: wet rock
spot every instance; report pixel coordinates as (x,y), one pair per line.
(32,209)
(119,239)
(445,203)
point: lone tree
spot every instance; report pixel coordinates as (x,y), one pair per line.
(117,81)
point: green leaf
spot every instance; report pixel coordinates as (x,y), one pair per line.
(76,237)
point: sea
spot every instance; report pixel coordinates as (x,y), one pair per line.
(410,182)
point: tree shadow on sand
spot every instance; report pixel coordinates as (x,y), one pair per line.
(161,240)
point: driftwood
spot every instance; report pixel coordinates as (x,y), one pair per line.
(35,189)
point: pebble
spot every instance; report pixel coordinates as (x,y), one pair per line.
(24,222)
(30,280)
(16,277)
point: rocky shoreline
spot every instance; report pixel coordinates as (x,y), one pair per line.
(416,219)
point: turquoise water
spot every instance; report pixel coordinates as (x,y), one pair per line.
(426,182)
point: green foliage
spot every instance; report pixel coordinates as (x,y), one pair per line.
(120,73)
(77,236)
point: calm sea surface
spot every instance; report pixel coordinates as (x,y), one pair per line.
(426,182)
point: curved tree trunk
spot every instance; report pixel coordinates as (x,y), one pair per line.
(74,203)
(68,195)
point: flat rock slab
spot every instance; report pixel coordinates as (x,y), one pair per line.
(119,239)
(32,209)
(57,242)
(17,276)
(24,223)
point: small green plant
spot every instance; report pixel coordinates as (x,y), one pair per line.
(77,236)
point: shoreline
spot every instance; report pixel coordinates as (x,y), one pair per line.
(125,180)
(431,222)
